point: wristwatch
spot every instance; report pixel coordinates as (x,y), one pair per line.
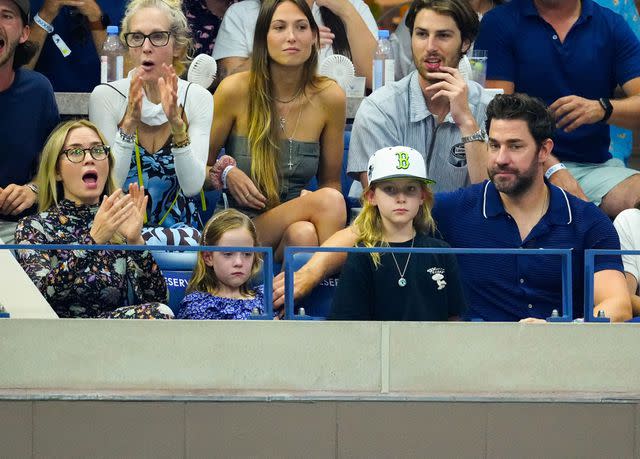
(607,107)
(100,24)
(478,136)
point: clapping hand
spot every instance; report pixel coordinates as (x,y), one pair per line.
(131,118)
(113,212)
(131,228)
(168,87)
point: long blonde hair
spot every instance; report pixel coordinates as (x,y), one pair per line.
(51,190)
(178,26)
(263,137)
(370,230)
(204,278)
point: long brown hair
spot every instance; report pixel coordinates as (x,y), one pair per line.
(204,277)
(264,140)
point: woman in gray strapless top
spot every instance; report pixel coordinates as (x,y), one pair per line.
(283,124)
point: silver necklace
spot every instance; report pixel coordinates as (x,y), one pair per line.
(283,125)
(402,281)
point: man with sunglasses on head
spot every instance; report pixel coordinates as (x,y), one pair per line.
(29,113)
(70,35)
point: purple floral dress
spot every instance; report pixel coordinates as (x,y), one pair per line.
(203,23)
(88,283)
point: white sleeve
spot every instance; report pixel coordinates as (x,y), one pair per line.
(107,105)
(365,13)
(627,224)
(191,161)
(235,37)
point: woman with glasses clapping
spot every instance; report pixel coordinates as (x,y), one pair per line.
(158,124)
(80,204)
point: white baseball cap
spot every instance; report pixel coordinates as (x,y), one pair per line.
(397,162)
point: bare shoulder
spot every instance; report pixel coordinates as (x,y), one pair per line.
(328,94)
(234,86)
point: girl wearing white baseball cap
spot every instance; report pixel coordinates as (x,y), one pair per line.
(396,212)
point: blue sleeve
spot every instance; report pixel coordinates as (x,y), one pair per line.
(443,212)
(496,38)
(627,51)
(602,235)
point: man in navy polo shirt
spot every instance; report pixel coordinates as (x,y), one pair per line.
(572,54)
(517,208)
(28,111)
(80,26)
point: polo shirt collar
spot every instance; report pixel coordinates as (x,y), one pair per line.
(529,9)
(559,212)
(418,110)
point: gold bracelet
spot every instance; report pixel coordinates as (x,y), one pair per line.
(182,143)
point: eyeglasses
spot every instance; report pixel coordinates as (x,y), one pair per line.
(136,39)
(97,152)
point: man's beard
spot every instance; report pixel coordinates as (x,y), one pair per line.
(521,183)
(420,66)
(8,51)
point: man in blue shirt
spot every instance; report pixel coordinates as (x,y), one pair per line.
(29,113)
(572,54)
(516,208)
(80,27)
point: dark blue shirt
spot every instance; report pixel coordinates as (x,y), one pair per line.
(79,71)
(599,53)
(28,114)
(510,287)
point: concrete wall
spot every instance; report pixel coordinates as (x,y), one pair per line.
(95,388)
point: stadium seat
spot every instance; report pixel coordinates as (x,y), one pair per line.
(317,304)
(177,284)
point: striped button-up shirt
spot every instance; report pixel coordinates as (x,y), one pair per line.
(397,114)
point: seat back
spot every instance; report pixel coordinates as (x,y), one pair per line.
(317,304)
(177,282)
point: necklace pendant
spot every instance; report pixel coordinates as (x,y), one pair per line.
(402,282)
(283,122)
(290,164)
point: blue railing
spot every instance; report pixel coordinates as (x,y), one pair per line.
(565,254)
(267,269)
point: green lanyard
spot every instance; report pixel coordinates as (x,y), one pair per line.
(141,184)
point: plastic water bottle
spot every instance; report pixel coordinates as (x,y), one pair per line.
(112,57)
(383,63)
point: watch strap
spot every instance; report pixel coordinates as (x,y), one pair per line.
(100,24)
(607,107)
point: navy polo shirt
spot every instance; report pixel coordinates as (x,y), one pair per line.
(512,287)
(599,53)
(80,70)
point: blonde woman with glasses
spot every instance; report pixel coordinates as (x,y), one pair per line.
(80,204)
(157,123)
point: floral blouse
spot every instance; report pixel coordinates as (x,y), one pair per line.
(205,306)
(203,24)
(84,283)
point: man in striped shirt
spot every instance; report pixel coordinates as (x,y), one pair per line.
(433,109)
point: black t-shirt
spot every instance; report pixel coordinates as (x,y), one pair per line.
(432,291)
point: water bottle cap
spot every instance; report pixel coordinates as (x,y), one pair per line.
(112,30)
(383,33)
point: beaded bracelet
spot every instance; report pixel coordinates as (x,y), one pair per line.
(182,143)
(129,138)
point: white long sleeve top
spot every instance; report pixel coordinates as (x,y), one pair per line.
(107,106)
